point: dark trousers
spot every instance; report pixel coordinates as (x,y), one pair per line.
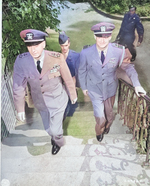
(128,43)
(132,50)
(70,109)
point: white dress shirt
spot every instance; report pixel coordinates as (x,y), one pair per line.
(99,52)
(41,59)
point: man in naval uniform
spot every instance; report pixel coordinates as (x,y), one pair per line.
(72,59)
(126,35)
(44,71)
(97,69)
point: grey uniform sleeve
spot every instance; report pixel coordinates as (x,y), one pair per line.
(19,84)
(131,72)
(82,71)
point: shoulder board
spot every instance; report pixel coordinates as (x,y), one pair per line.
(86,46)
(54,54)
(117,45)
(24,55)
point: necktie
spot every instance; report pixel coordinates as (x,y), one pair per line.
(39,67)
(102,57)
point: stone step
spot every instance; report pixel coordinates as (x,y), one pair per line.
(115,158)
(73,146)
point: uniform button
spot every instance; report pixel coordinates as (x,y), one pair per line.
(41,85)
(102,73)
(40,79)
(103,80)
(42,92)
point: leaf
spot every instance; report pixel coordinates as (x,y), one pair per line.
(19,15)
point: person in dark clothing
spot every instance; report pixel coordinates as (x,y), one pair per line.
(72,59)
(126,36)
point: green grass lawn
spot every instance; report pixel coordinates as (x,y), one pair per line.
(80,125)
(52,42)
(80,35)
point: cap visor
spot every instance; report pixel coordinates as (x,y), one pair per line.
(33,43)
(29,41)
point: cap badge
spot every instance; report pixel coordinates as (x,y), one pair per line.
(103,28)
(29,35)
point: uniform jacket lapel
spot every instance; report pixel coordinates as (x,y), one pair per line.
(108,55)
(47,65)
(95,55)
(31,64)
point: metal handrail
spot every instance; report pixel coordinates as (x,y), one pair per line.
(135,111)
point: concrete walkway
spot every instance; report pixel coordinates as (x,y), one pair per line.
(27,158)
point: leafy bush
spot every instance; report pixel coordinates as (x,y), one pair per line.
(18,15)
(112,6)
(143,11)
(120,7)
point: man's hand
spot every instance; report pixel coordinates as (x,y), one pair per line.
(85,92)
(21,116)
(140,90)
(74,101)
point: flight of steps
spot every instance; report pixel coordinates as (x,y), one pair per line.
(83,161)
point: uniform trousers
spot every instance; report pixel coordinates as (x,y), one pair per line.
(128,42)
(103,113)
(56,118)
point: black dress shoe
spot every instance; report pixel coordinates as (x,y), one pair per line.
(100,137)
(55,148)
(106,131)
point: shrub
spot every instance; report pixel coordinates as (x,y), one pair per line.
(143,11)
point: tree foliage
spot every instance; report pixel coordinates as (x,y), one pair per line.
(117,6)
(18,15)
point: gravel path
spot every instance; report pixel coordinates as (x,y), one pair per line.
(76,13)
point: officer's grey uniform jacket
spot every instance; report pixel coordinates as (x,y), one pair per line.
(48,93)
(100,79)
